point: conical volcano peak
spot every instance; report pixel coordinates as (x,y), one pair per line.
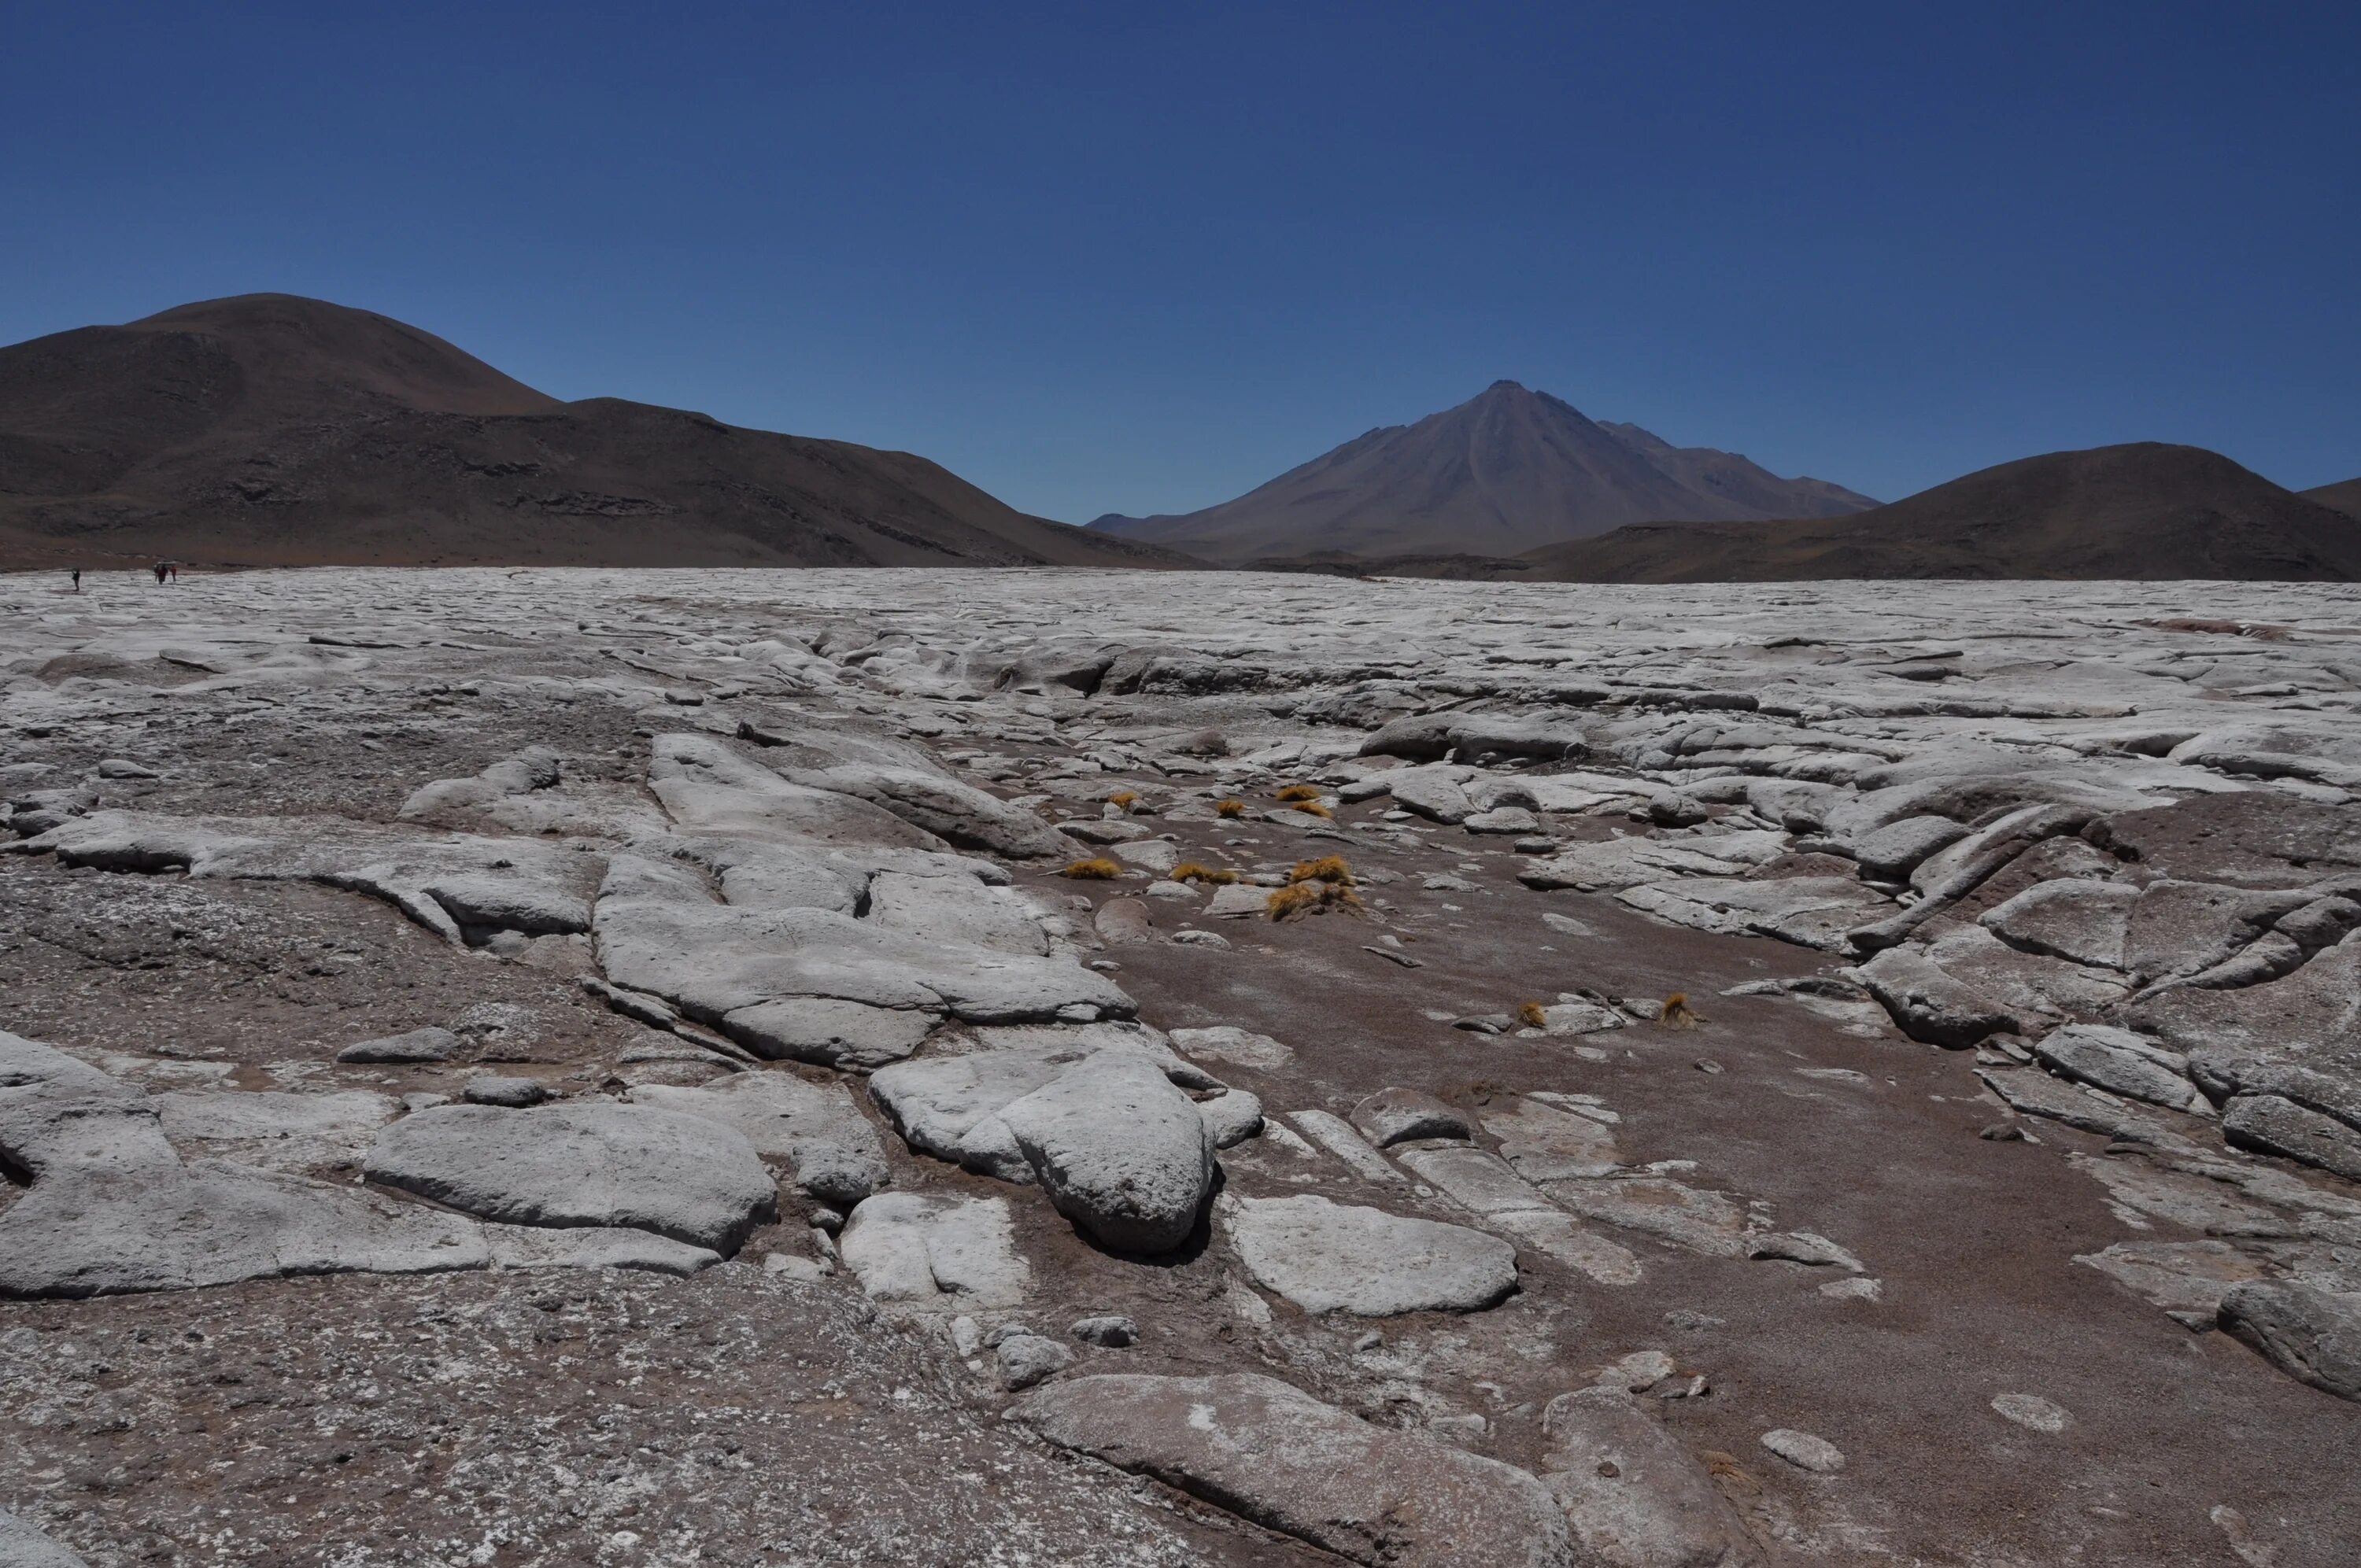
(1507,471)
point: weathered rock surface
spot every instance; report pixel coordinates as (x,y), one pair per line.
(1273,1455)
(1633,1496)
(1333,1258)
(2313,1335)
(834,1150)
(931,1253)
(688,1177)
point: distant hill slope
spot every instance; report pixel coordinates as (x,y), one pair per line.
(2143,510)
(2344,496)
(271,430)
(1506,472)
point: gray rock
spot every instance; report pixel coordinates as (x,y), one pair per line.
(530,1247)
(516,1094)
(2313,1335)
(2182,927)
(1331,1257)
(1280,1459)
(828,1031)
(1201,938)
(1928,1005)
(583,1164)
(935,1254)
(1231,1117)
(1027,1359)
(2033,1412)
(24,1546)
(1228,1043)
(1890,853)
(427,1045)
(2122,1063)
(1810,911)
(1434,792)
(1123,921)
(957,909)
(957,812)
(1108,1332)
(2274,1124)
(1502,819)
(1120,1151)
(1803,1451)
(1633,1496)
(817,1127)
(1395,1115)
(2071,918)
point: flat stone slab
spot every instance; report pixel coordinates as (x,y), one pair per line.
(935,1253)
(1281,1459)
(1333,1258)
(836,1153)
(690,1178)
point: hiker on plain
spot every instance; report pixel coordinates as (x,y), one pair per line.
(175,570)
(77,577)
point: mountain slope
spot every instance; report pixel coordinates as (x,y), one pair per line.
(1503,473)
(2344,496)
(271,430)
(2145,510)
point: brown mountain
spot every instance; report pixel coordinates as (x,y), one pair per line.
(2344,496)
(1503,473)
(271,430)
(2143,510)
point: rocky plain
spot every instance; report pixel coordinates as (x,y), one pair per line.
(566,1067)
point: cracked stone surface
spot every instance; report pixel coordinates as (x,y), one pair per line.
(2012,1072)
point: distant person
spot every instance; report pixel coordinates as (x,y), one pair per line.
(176,570)
(77,577)
(159,573)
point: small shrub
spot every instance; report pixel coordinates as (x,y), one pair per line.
(1309,898)
(1122,797)
(1677,1014)
(1229,808)
(1097,869)
(1327,869)
(1312,809)
(1532,1016)
(1299,792)
(1213,876)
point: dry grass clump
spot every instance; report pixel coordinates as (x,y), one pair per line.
(1312,809)
(1327,869)
(1097,869)
(1677,1014)
(1213,876)
(1532,1016)
(1230,808)
(1310,898)
(1122,797)
(1299,792)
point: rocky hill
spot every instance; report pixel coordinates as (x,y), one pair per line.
(273,430)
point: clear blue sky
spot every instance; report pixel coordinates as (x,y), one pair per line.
(1096,259)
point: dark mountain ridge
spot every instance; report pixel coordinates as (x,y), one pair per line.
(2145,510)
(271,430)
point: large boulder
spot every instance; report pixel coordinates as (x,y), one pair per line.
(1336,1257)
(688,1177)
(2122,1063)
(25,1546)
(2076,918)
(1279,1458)
(1928,1005)
(1121,1151)
(2313,1335)
(942,806)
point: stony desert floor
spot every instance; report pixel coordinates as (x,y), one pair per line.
(619,1068)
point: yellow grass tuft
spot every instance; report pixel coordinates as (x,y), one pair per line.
(1309,898)
(1213,876)
(1530,1016)
(1122,797)
(1312,809)
(1677,1014)
(1327,868)
(1229,808)
(1097,869)
(1299,792)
